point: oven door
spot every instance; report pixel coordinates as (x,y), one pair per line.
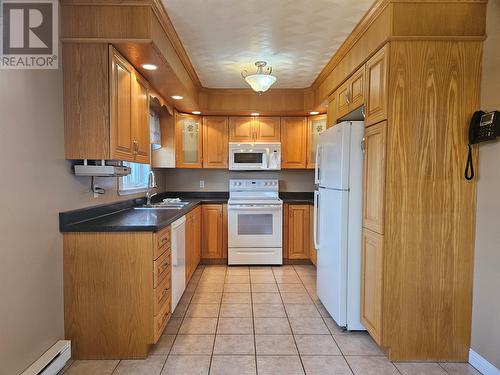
(255,226)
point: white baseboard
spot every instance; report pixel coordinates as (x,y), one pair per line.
(52,361)
(481,364)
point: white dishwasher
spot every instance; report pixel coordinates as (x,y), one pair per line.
(178,260)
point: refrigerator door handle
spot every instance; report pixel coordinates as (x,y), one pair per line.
(315,213)
(316,169)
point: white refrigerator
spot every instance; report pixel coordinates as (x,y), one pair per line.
(337,221)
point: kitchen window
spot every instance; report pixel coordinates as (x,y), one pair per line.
(136,181)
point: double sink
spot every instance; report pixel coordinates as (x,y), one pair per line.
(172,205)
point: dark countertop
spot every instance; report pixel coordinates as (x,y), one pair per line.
(122,217)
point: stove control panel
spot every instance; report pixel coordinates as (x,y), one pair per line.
(254,185)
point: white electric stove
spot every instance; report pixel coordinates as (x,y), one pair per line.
(255,215)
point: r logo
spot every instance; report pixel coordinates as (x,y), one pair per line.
(27,28)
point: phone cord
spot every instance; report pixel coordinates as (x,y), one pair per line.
(469,168)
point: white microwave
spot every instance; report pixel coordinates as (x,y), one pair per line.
(254,156)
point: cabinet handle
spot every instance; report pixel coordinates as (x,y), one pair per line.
(136,146)
(363,145)
(363,112)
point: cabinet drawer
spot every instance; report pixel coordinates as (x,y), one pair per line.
(162,295)
(161,320)
(161,267)
(163,242)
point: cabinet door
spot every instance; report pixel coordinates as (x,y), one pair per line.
(293,144)
(298,231)
(376,87)
(121,86)
(374,177)
(356,89)
(140,121)
(313,254)
(315,126)
(215,143)
(372,267)
(188,135)
(211,231)
(342,99)
(241,129)
(331,111)
(267,129)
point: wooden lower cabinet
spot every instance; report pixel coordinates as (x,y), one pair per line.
(213,231)
(193,241)
(117,294)
(372,268)
(297,231)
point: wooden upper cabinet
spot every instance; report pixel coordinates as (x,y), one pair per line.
(331,118)
(141,140)
(212,231)
(294,143)
(342,100)
(254,129)
(106,105)
(372,271)
(350,95)
(315,126)
(215,143)
(357,89)
(267,129)
(122,82)
(188,134)
(374,176)
(376,87)
(241,129)
(297,231)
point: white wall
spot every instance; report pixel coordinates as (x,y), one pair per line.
(486,305)
(36,184)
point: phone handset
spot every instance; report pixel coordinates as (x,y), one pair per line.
(473,128)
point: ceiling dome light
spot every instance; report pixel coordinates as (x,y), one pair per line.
(262,79)
(149,66)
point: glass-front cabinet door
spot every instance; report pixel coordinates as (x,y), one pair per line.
(188,135)
(316,125)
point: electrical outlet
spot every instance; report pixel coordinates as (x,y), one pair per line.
(202,184)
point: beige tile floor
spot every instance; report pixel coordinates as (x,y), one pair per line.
(259,320)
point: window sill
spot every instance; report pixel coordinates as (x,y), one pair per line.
(132,191)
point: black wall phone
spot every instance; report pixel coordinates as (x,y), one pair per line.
(483,127)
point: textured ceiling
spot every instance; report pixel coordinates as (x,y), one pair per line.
(296,37)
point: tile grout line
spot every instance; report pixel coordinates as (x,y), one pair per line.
(217,324)
(253,323)
(288,318)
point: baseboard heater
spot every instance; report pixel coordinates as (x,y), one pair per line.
(52,361)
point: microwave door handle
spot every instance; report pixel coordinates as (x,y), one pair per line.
(265,159)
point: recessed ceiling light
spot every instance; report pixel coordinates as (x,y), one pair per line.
(196,113)
(149,66)
(254,114)
(177,97)
(314,113)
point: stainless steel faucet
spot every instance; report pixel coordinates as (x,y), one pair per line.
(151,185)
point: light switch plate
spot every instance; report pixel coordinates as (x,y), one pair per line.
(202,184)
